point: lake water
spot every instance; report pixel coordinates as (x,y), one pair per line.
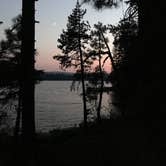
(59,107)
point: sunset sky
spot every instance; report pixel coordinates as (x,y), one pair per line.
(52,15)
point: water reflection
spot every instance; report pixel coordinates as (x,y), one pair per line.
(58,107)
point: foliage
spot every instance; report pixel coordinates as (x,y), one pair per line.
(77,29)
(125,42)
(10,52)
(132,10)
(125,36)
(97,43)
(97,50)
(103,3)
(10,48)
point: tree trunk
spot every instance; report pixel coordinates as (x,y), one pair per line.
(101,92)
(109,52)
(83,87)
(27,66)
(18,118)
(82,80)
(101,85)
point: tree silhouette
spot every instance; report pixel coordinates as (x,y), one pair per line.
(98,49)
(10,47)
(10,54)
(10,65)
(123,78)
(18,51)
(73,42)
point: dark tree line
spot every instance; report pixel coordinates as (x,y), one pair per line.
(145,67)
(137,61)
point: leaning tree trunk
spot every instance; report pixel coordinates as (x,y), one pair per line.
(101,84)
(101,92)
(27,67)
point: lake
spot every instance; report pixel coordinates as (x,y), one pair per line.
(59,107)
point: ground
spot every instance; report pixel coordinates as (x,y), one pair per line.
(113,143)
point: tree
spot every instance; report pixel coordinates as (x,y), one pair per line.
(10,51)
(10,47)
(98,49)
(124,78)
(10,54)
(10,67)
(73,42)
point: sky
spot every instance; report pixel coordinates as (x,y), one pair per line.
(52,15)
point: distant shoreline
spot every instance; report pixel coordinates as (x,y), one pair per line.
(62,76)
(56,80)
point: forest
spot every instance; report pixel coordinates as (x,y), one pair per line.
(137,135)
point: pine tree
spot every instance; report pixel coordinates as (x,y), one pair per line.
(72,43)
